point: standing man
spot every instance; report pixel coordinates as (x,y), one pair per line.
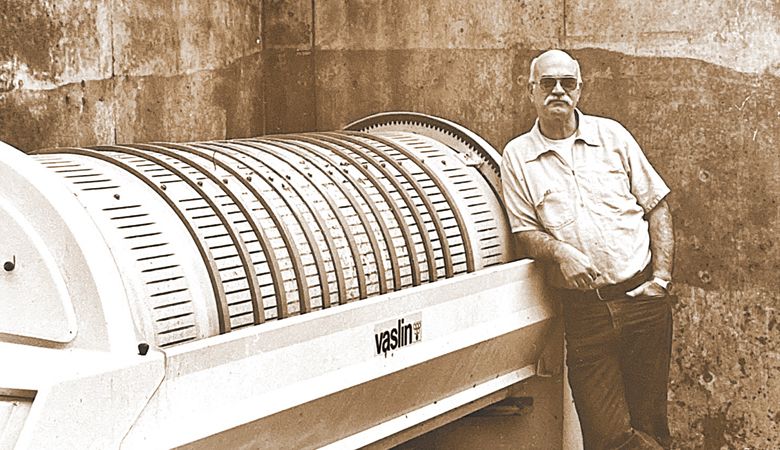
(583,199)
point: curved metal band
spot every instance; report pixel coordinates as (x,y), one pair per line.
(223,315)
(306,154)
(420,163)
(262,238)
(479,146)
(418,220)
(432,212)
(323,228)
(140,151)
(405,231)
(304,295)
(360,273)
(255,295)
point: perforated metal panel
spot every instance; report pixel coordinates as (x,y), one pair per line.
(215,236)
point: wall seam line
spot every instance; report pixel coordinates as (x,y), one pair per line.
(314,60)
(113,70)
(565,40)
(264,60)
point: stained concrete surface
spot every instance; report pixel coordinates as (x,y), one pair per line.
(96,72)
(694,82)
(437,24)
(739,34)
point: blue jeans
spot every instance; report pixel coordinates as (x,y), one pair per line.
(618,354)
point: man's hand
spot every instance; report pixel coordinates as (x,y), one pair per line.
(647,289)
(577,269)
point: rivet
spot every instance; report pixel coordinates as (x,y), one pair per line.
(249,178)
(116,196)
(143,348)
(704,176)
(163,187)
(10,265)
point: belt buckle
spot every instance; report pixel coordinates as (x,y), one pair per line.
(598,294)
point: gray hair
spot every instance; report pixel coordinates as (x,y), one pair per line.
(535,60)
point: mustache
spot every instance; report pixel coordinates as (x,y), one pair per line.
(564,99)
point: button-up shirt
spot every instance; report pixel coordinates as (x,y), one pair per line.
(597,204)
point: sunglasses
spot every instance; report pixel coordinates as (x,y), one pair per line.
(548,84)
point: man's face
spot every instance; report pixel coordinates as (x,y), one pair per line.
(556,91)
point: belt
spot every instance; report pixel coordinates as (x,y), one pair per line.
(611,291)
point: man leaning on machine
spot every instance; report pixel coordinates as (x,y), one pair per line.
(583,199)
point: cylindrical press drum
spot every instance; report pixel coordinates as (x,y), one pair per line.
(213,236)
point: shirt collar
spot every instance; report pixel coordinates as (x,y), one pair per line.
(586,131)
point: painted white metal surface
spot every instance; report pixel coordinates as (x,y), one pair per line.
(430,411)
(221,384)
(83,399)
(80,298)
(252,374)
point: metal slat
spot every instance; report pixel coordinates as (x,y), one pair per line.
(394,209)
(246,259)
(419,222)
(261,236)
(328,170)
(205,253)
(305,297)
(432,175)
(445,247)
(237,243)
(345,227)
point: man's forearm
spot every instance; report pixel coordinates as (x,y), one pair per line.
(661,240)
(540,245)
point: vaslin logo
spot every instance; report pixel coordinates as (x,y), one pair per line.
(397,333)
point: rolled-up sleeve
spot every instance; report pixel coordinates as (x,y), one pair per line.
(647,186)
(519,208)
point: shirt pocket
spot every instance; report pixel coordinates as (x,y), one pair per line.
(556,209)
(610,188)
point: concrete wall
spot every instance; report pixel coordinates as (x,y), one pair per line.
(104,71)
(695,81)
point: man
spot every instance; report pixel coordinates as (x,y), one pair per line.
(583,199)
